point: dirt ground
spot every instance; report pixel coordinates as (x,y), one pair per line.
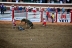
(56,35)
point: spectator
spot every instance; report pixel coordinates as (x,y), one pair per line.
(43,1)
(68,1)
(68,11)
(31,0)
(51,9)
(20,8)
(48,9)
(63,9)
(47,15)
(54,9)
(48,1)
(58,9)
(34,0)
(52,17)
(34,9)
(17,1)
(63,1)
(5,8)
(29,8)
(40,1)
(21,1)
(12,7)
(52,1)
(40,9)
(58,1)
(24,9)
(2,8)
(17,7)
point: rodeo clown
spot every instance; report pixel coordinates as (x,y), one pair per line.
(14,25)
(44,22)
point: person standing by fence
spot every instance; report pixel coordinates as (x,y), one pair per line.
(52,17)
(2,8)
(47,15)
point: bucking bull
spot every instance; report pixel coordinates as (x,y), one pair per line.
(28,23)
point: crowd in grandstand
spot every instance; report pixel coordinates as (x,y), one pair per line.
(29,8)
(20,8)
(45,1)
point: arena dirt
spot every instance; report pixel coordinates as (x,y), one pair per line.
(52,36)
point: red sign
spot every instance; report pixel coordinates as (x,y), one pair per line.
(63,16)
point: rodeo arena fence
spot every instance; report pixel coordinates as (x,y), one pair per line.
(37,16)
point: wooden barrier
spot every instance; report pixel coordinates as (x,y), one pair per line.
(38,5)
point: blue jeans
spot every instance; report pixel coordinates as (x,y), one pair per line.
(52,20)
(2,11)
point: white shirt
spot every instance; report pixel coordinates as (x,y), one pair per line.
(13,21)
(29,7)
(44,20)
(68,0)
(11,8)
(16,1)
(34,8)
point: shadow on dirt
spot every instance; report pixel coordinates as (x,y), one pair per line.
(5,44)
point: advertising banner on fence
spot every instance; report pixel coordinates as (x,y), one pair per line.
(35,20)
(5,19)
(19,18)
(63,17)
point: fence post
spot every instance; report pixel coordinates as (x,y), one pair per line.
(56,15)
(41,15)
(26,13)
(71,17)
(12,14)
(13,20)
